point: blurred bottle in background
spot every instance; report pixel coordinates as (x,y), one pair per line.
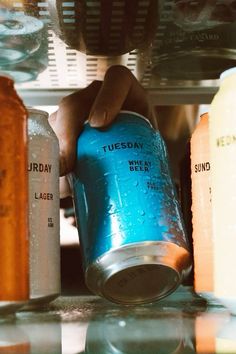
(199,15)
(20,36)
(105,27)
(23,42)
(29,68)
(196,40)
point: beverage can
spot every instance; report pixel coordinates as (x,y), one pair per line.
(43,169)
(14,269)
(223,179)
(201,208)
(130,227)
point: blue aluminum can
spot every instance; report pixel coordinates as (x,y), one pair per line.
(131,233)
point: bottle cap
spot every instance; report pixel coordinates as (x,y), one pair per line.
(227,73)
(37,112)
(6,75)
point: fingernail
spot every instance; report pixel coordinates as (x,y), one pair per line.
(98,119)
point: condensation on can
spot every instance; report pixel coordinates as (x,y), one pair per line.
(44,207)
(131,232)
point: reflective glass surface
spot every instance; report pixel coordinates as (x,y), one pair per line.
(181,323)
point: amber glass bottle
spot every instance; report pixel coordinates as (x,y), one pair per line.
(14,272)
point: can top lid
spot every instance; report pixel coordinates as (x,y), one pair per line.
(38,112)
(204,119)
(204,114)
(21,24)
(227,73)
(136,114)
(6,75)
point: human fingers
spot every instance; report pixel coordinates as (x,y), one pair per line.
(64,186)
(119,90)
(67,122)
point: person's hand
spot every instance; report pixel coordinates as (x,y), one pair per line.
(99,103)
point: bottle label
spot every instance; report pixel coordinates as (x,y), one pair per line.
(122,145)
(202,167)
(43,168)
(226,140)
(39,167)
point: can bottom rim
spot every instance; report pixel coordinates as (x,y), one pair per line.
(139,273)
(10,307)
(35,302)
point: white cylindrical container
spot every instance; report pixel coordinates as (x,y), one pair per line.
(201,208)
(223,178)
(44,207)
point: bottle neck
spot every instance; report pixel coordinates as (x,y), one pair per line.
(9,94)
(38,115)
(6,84)
(229,80)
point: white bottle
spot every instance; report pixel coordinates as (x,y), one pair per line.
(222,126)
